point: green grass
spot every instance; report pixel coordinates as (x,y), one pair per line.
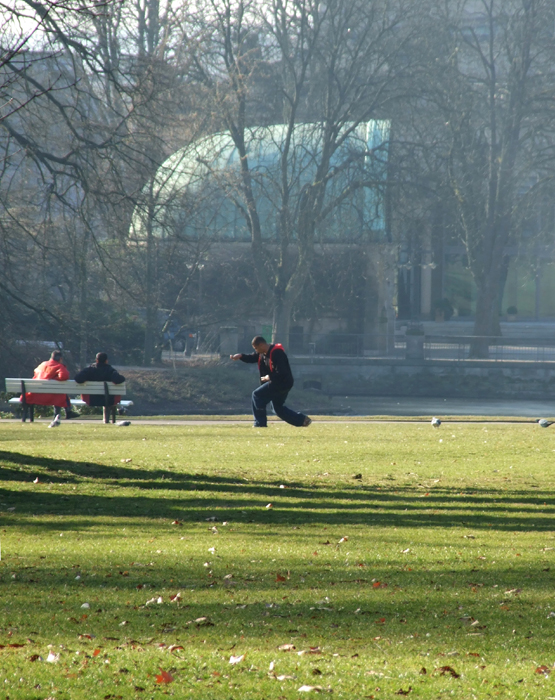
(446,568)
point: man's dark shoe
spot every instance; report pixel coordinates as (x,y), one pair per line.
(71,414)
(307,421)
(259,426)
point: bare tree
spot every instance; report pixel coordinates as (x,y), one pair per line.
(319,72)
(487,94)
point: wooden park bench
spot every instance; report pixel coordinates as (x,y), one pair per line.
(69,387)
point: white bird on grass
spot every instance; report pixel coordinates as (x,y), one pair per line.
(435,422)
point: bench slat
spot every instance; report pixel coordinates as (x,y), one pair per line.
(74,402)
(52,386)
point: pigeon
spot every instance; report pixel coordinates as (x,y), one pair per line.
(123,422)
(545,423)
(55,423)
(435,422)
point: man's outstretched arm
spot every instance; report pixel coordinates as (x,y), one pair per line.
(250,358)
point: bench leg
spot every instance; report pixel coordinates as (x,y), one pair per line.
(24,414)
(113,411)
(106,414)
(31,413)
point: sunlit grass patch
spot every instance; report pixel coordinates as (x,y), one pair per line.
(355,558)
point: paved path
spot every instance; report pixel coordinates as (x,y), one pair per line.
(387,408)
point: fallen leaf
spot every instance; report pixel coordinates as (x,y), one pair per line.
(423,671)
(177,522)
(52,658)
(279,577)
(236,659)
(309,688)
(204,622)
(381,621)
(126,460)
(175,598)
(543,669)
(444,670)
(285,678)
(269,506)
(96,652)
(164,677)
(175,647)
(343,539)
(35,657)
(287,647)
(36,481)
(404,692)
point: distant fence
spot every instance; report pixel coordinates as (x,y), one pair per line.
(428,347)
(400,346)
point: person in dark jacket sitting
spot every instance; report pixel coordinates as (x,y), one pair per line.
(100,371)
(276,381)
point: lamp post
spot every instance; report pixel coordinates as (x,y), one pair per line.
(199,306)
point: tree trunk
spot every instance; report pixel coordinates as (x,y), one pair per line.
(282,321)
(150,306)
(486,323)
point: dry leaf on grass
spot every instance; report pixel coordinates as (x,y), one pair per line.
(543,669)
(164,677)
(309,688)
(236,659)
(287,647)
(448,670)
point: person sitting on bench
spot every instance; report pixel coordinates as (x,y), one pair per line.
(100,371)
(53,368)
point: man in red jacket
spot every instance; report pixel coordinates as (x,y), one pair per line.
(276,380)
(51,369)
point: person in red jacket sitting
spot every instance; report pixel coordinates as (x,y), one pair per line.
(52,369)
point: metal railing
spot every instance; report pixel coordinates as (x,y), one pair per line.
(401,346)
(428,347)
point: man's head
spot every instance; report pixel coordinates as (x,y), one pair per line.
(260,345)
(56,355)
(101,358)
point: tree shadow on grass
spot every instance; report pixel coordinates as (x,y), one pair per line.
(187,497)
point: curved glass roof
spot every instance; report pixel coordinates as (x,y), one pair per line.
(198,191)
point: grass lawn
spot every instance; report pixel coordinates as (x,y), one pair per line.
(395,560)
